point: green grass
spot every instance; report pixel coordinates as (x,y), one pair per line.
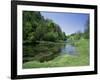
(82,59)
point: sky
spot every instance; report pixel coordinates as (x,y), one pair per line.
(69,22)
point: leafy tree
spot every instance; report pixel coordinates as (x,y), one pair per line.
(86,32)
(36,28)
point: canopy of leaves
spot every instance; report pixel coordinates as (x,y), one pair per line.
(36,28)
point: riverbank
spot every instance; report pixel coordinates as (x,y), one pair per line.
(82,59)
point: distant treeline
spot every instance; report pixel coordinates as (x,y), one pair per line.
(36,28)
(80,35)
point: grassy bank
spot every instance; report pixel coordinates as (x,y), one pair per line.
(81,59)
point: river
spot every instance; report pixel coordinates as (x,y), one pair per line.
(47,51)
(69,49)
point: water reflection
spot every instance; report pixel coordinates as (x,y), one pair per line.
(46,51)
(69,49)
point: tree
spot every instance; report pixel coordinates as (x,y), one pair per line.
(86,31)
(36,28)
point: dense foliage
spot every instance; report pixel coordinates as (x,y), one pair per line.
(36,28)
(43,41)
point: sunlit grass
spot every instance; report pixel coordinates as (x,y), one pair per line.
(81,59)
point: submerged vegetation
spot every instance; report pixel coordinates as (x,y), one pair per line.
(43,41)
